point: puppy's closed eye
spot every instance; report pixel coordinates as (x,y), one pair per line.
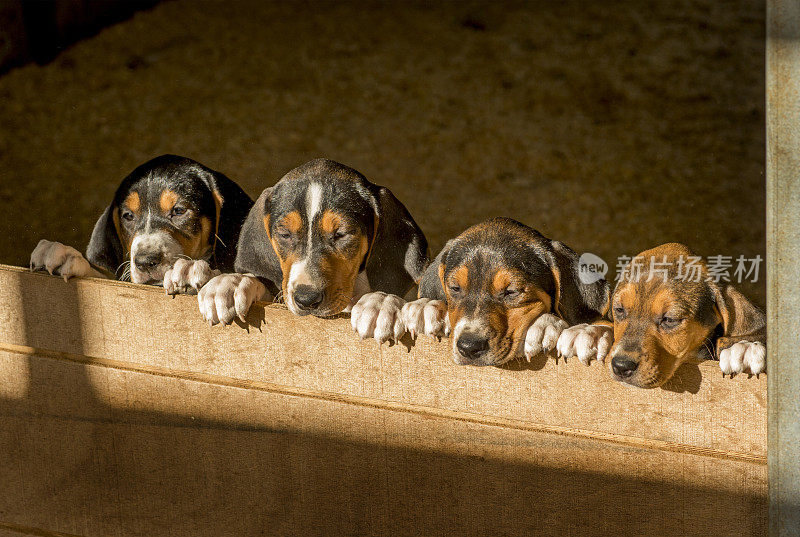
(511,293)
(284,234)
(667,322)
(340,235)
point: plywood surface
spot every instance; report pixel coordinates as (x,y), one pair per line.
(123,414)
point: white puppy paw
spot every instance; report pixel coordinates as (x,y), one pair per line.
(378,315)
(228,296)
(543,334)
(426,316)
(586,341)
(743,357)
(187,274)
(57,258)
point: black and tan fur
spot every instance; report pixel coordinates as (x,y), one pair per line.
(168,208)
(497,278)
(324,235)
(661,321)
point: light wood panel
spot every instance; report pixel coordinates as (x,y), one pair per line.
(123,414)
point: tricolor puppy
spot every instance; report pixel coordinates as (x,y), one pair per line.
(502,288)
(667,311)
(323,236)
(171,221)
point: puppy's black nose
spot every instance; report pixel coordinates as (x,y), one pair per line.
(145,262)
(308,298)
(472,346)
(623,366)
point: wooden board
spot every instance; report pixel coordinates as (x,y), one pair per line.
(124,414)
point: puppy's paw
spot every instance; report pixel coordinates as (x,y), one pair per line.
(228,296)
(187,274)
(378,315)
(426,316)
(586,341)
(543,334)
(57,258)
(743,357)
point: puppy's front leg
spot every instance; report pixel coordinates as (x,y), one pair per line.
(188,274)
(57,258)
(378,315)
(586,341)
(228,296)
(426,316)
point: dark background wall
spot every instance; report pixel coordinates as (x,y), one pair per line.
(613,127)
(38,30)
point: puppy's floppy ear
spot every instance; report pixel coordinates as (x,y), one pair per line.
(399,251)
(105,248)
(254,253)
(574,301)
(741,319)
(232,207)
(431,285)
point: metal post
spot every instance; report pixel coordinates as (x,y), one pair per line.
(783,264)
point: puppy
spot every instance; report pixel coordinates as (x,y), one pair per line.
(323,236)
(665,315)
(502,288)
(172,221)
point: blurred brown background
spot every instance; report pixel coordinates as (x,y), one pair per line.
(612,126)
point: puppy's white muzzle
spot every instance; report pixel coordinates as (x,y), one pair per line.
(152,254)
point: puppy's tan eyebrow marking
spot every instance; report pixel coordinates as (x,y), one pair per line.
(627,296)
(461,276)
(661,301)
(330,221)
(168,200)
(292,221)
(502,279)
(133,202)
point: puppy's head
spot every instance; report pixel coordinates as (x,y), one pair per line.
(497,277)
(318,232)
(667,311)
(166,208)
